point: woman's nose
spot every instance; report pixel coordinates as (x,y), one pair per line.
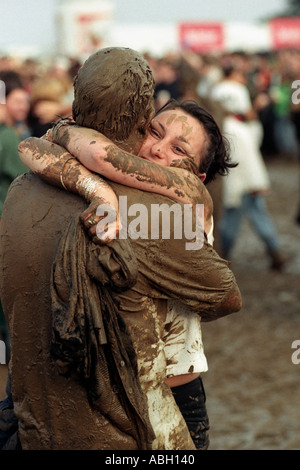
(157,150)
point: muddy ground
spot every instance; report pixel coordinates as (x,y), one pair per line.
(252,385)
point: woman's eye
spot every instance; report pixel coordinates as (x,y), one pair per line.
(179,150)
(154,132)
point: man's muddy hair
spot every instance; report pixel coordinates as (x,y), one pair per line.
(117,102)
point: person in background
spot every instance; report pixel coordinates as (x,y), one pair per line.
(17,103)
(48,104)
(167,81)
(295,116)
(284,129)
(13,129)
(246,185)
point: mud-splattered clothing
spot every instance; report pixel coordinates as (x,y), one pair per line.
(183,336)
(47,403)
(183,341)
(198,280)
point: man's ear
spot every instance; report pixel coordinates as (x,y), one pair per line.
(202,176)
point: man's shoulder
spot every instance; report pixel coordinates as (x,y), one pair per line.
(29,180)
(29,189)
(30,185)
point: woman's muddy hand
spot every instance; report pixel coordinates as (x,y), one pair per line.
(49,135)
(101,221)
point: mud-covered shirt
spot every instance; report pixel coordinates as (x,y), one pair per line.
(46,403)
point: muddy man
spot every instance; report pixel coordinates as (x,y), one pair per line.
(124,287)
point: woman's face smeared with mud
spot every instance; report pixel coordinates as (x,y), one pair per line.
(175,138)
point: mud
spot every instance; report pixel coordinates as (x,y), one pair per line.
(108,71)
(3,376)
(252,385)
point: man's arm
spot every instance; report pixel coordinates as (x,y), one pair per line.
(199,278)
(231,303)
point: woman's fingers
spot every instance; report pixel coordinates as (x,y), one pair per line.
(101,228)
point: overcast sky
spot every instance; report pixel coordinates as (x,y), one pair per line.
(178,10)
(31,22)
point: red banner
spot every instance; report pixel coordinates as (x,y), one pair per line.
(285,33)
(202,37)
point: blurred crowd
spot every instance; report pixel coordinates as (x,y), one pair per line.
(269,78)
(47,91)
(255,88)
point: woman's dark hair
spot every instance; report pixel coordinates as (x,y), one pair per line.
(216,159)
